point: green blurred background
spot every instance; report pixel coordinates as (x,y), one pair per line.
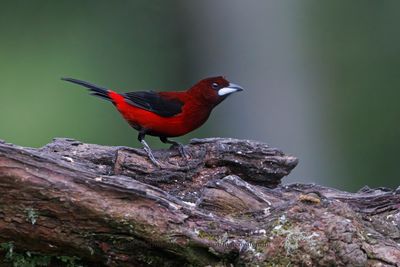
(321,77)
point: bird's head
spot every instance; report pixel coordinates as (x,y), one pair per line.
(214,90)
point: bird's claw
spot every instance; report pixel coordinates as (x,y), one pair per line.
(154,161)
(150,154)
(183,152)
(151,157)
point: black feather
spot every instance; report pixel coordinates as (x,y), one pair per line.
(96,90)
(147,100)
(154,102)
(101,96)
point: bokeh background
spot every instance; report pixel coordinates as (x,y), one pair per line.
(321,77)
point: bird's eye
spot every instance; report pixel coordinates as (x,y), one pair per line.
(215,85)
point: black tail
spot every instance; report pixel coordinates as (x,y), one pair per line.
(95,90)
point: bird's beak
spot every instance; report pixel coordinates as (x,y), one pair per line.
(230,89)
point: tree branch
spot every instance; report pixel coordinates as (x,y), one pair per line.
(110,206)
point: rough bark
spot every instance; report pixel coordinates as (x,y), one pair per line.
(109,206)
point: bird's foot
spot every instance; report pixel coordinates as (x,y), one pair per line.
(181,148)
(129,149)
(182,151)
(152,158)
(150,154)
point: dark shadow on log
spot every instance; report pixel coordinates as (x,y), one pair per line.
(109,206)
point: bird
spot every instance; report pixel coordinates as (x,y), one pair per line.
(166,114)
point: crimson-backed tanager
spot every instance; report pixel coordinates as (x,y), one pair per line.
(166,114)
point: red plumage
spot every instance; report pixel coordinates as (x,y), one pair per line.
(167,114)
(191,117)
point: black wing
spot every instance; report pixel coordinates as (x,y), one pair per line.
(154,102)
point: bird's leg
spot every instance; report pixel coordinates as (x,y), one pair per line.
(181,148)
(147,149)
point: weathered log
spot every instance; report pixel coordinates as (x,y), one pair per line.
(109,206)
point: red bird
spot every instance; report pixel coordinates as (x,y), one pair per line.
(166,114)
